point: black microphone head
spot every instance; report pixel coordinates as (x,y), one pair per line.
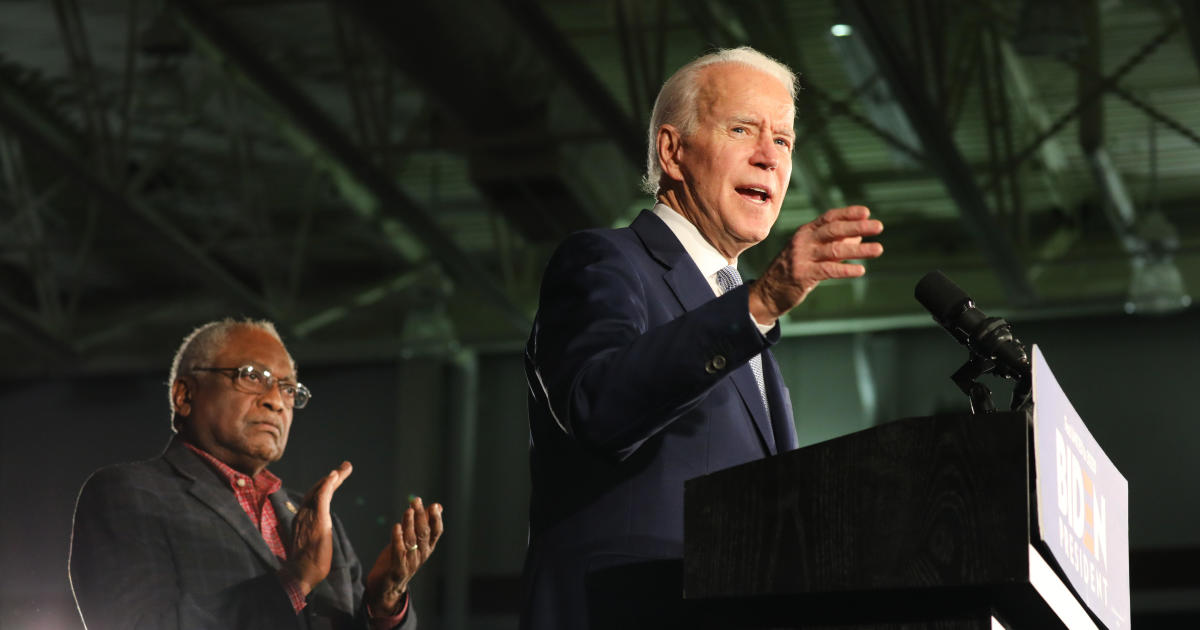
(940,296)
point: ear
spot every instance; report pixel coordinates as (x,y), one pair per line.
(669,142)
(181,396)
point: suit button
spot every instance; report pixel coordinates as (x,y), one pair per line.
(715,364)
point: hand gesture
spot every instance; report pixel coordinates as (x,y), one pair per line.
(312,541)
(413,540)
(815,252)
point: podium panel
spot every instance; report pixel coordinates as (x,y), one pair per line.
(918,523)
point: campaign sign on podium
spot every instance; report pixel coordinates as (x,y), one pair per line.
(1082,501)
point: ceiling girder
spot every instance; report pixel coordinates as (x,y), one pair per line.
(29,122)
(1085,100)
(842,107)
(643,67)
(29,210)
(994,99)
(941,151)
(1134,101)
(333,145)
(1088,77)
(95,115)
(506,108)
(573,69)
(364,297)
(34,329)
(1189,13)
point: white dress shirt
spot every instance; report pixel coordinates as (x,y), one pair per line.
(706,257)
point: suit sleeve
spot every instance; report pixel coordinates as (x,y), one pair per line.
(124,575)
(609,373)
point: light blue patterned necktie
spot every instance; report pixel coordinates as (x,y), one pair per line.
(729,279)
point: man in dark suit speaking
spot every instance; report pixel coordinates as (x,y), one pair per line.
(648,362)
(205,537)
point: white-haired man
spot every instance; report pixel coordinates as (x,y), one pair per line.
(204,536)
(648,362)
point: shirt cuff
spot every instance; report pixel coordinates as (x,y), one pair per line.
(386,623)
(763,329)
(294,595)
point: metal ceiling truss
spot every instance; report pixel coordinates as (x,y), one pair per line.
(574,70)
(1189,14)
(1085,100)
(513,162)
(1096,78)
(91,102)
(32,123)
(997,119)
(844,107)
(371,101)
(874,21)
(643,60)
(45,325)
(369,189)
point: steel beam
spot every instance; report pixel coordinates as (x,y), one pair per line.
(503,109)
(33,328)
(29,122)
(1086,99)
(573,69)
(941,151)
(330,146)
(1189,13)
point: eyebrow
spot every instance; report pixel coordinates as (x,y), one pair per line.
(757,122)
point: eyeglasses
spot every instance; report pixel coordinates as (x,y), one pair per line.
(252,380)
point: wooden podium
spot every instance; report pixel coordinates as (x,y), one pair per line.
(922,523)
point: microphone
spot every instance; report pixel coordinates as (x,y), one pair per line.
(986,337)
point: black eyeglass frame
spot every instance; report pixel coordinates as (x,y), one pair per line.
(252,379)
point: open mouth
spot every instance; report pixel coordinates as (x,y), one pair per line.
(753,193)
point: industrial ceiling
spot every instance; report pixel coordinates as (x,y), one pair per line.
(387,178)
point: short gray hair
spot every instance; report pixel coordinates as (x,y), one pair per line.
(676,103)
(202,345)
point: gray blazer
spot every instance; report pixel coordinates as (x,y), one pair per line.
(164,544)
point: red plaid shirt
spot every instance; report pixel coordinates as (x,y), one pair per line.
(252,494)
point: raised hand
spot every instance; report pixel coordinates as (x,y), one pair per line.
(312,541)
(413,540)
(815,253)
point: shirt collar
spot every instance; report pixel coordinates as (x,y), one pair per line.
(706,257)
(264,482)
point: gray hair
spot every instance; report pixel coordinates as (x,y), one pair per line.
(202,344)
(676,103)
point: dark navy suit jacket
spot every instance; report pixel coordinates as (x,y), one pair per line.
(164,544)
(638,381)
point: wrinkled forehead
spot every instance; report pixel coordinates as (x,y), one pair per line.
(252,346)
(736,88)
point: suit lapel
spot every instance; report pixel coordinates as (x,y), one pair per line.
(693,291)
(682,276)
(285,513)
(207,487)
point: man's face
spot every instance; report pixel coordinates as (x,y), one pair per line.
(246,431)
(737,163)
